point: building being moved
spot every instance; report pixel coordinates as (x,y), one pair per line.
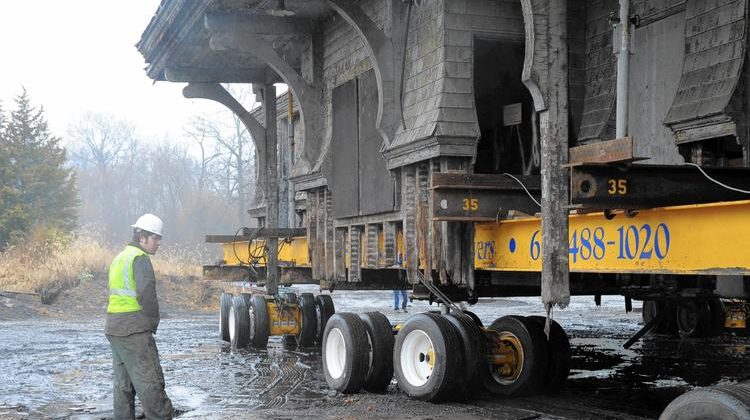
(430,140)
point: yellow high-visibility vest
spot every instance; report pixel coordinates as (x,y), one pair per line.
(122,285)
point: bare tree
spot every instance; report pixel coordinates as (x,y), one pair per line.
(103,140)
(101,144)
(228,154)
(121,177)
(201,134)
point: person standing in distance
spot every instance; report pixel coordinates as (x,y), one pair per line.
(131,322)
(400,289)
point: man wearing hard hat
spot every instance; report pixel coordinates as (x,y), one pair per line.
(132,320)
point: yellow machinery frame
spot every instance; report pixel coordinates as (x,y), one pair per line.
(691,239)
(283,319)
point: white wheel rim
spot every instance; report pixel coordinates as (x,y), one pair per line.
(335,353)
(416,351)
(231,323)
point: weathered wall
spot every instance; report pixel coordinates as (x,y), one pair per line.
(600,73)
(464,21)
(439,108)
(422,73)
(284,163)
(715,50)
(344,57)
(685,68)
(655,68)
(439,116)
(576,64)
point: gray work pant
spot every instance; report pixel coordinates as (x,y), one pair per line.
(137,370)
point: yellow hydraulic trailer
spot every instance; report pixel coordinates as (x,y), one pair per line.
(292,252)
(710,239)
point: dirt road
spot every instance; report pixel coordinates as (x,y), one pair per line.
(53,368)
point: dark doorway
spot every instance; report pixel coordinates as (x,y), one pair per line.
(497,83)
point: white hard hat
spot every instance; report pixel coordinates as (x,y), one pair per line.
(149,223)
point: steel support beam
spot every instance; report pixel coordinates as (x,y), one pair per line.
(250,234)
(481,198)
(648,186)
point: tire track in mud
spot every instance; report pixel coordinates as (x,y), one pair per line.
(288,378)
(269,377)
(246,388)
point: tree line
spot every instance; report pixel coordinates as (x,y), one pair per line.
(105,176)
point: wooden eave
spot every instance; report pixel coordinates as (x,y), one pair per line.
(176,48)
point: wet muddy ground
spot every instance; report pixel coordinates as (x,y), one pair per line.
(62,369)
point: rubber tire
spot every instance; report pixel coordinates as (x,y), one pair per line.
(473,350)
(471,315)
(259,331)
(308,327)
(536,358)
(667,324)
(558,347)
(240,336)
(354,363)
(448,364)
(225,301)
(474,318)
(380,344)
(702,313)
(323,310)
(723,402)
(290,298)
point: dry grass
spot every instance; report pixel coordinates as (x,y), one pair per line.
(48,266)
(173,261)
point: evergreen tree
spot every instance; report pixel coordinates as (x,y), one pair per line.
(12,210)
(37,189)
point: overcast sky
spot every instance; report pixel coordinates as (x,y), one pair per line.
(74,56)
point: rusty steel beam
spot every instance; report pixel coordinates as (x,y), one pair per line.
(249,234)
(648,186)
(617,150)
(480,197)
